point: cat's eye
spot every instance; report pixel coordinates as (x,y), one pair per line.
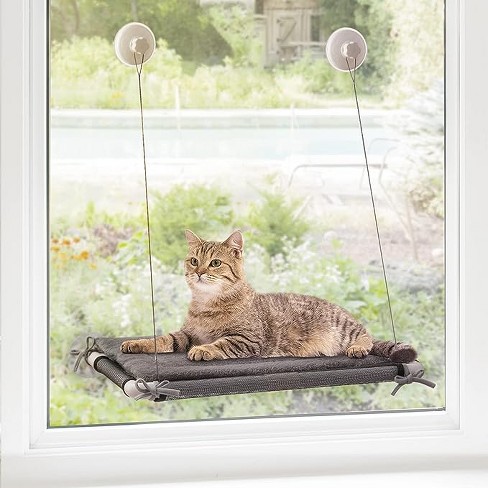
(215,263)
(194,261)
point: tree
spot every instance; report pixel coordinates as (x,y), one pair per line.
(183,24)
(188,29)
(418,30)
(374,20)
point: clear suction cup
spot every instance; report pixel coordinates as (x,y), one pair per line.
(132,42)
(344,46)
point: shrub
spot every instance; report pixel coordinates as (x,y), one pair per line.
(422,167)
(237,25)
(206,210)
(274,222)
(85,73)
(315,76)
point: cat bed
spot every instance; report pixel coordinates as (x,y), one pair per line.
(179,378)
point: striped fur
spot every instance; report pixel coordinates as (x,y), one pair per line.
(228,319)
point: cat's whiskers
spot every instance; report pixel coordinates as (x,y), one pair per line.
(205,287)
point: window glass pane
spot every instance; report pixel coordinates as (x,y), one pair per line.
(247,127)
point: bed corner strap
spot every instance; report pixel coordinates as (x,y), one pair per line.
(153,390)
(413,373)
(91,346)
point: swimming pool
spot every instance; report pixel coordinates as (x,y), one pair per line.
(252,143)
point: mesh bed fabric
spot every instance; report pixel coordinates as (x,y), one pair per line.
(112,371)
(233,376)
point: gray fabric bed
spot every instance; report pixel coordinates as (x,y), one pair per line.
(234,376)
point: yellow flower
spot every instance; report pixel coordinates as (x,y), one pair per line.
(76,239)
(84,255)
(55,248)
(66,242)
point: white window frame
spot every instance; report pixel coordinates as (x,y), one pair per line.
(343,445)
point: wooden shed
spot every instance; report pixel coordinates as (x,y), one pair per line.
(291,28)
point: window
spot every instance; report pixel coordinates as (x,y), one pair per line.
(30,449)
(315,28)
(287,140)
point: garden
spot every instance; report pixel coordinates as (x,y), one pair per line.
(322,246)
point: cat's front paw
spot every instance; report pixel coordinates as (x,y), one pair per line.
(356,352)
(204,353)
(135,346)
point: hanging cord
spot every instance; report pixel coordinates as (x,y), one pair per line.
(352,73)
(91,346)
(154,390)
(412,373)
(148,224)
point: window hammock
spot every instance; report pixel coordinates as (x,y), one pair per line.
(171,376)
(178,377)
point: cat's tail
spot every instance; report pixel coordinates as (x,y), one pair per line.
(398,352)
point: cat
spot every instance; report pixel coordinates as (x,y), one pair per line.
(228,319)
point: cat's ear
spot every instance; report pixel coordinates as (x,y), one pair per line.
(236,242)
(192,239)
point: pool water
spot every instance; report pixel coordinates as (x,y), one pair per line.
(240,143)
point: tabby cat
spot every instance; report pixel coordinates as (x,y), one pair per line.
(228,319)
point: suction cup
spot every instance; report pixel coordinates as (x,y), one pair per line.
(133,41)
(345,45)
